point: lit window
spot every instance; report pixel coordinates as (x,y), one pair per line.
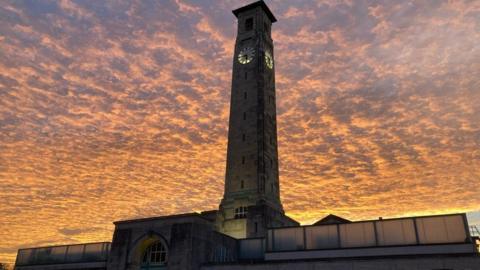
(156,254)
(241,212)
(221,254)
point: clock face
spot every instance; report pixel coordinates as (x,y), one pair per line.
(246,55)
(268,60)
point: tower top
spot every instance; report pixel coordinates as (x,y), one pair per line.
(254,5)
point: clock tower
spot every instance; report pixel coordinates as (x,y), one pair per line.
(251,201)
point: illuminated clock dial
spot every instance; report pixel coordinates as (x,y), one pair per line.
(246,55)
(268,59)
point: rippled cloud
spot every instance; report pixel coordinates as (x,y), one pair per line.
(119,109)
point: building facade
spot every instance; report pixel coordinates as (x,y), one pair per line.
(250,229)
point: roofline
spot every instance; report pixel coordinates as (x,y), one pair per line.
(254,5)
(194,214)
(65,245)
(373,220)
(333,216)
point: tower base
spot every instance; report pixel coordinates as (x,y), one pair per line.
(255,222)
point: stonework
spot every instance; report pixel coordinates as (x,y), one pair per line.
(252,178)
(251,207)
(190,239)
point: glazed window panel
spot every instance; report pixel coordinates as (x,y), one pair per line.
(288,239)
(75,253)
(251,248)
(156,254)
(58,253)
(443,229)
(357,235)
(322,237)
(396,232)
(94,252)
(25,256)
(241,212)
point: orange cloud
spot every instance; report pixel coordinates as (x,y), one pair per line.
(113,111)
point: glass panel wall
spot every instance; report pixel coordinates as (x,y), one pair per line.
(396,232)
(322,237)
(382,233)
(75,253)
(252,248)
(442,229)
(93,252)
(288,239)
(360,234)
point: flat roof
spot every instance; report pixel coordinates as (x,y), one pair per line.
(254,5)
(66,245)
(373,220)
(194,214)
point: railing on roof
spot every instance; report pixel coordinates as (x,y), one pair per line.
(413,231)
(474,230)
(91,252)
(378,233)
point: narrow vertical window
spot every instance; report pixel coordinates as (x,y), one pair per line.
(271,140)
(248,24)
(241,184)
(243,137)
(271,163)
(246,75)
(266,27)
(243,159)
(244,116)
(245,95)
(262,184)
(256,227)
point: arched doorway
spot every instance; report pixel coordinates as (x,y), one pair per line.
(155,256)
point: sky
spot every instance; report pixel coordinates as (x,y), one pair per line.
(112,110)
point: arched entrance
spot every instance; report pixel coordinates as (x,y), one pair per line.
(155,256)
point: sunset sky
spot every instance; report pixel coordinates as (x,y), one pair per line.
(113,110)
